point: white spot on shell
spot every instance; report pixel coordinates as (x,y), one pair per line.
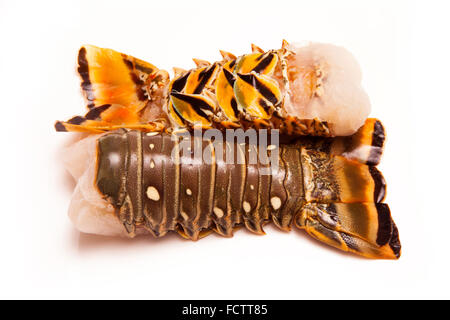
(218,212)
(189,192)
(151,134)
(152,146)
(252,187)
(271,147)
(246,206)
(152,164)
(153,194)
(275,202)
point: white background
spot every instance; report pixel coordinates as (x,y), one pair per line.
(402,49)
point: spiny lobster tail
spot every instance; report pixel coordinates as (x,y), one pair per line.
(156,182)
(117,88)
(248,91)
(270,89)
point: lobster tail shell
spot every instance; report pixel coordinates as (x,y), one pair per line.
(160,182)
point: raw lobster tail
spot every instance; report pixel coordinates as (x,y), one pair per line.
(256,90)
(238,92)
(155,184)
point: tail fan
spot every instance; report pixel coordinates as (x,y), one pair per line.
(105,118)
(110,77)
(117,88)
(363,228)
(344,206)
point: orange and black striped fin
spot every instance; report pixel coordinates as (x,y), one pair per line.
(110,77)
(257,94)
(194,109)
(365,146)
(200,78)
(113,114)
(262,63)
(256,49)
(284,45)
(227,55)
(329,178)
(79,124)
(225,95)
(92,126)
(104,118)
(363,228)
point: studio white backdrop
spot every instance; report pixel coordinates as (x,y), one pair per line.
(43,256)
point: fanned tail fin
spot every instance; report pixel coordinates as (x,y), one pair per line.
(117,88)
(364,228)
(344,206)
(111,77)
(107,117)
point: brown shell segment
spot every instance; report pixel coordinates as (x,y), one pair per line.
(293,186)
